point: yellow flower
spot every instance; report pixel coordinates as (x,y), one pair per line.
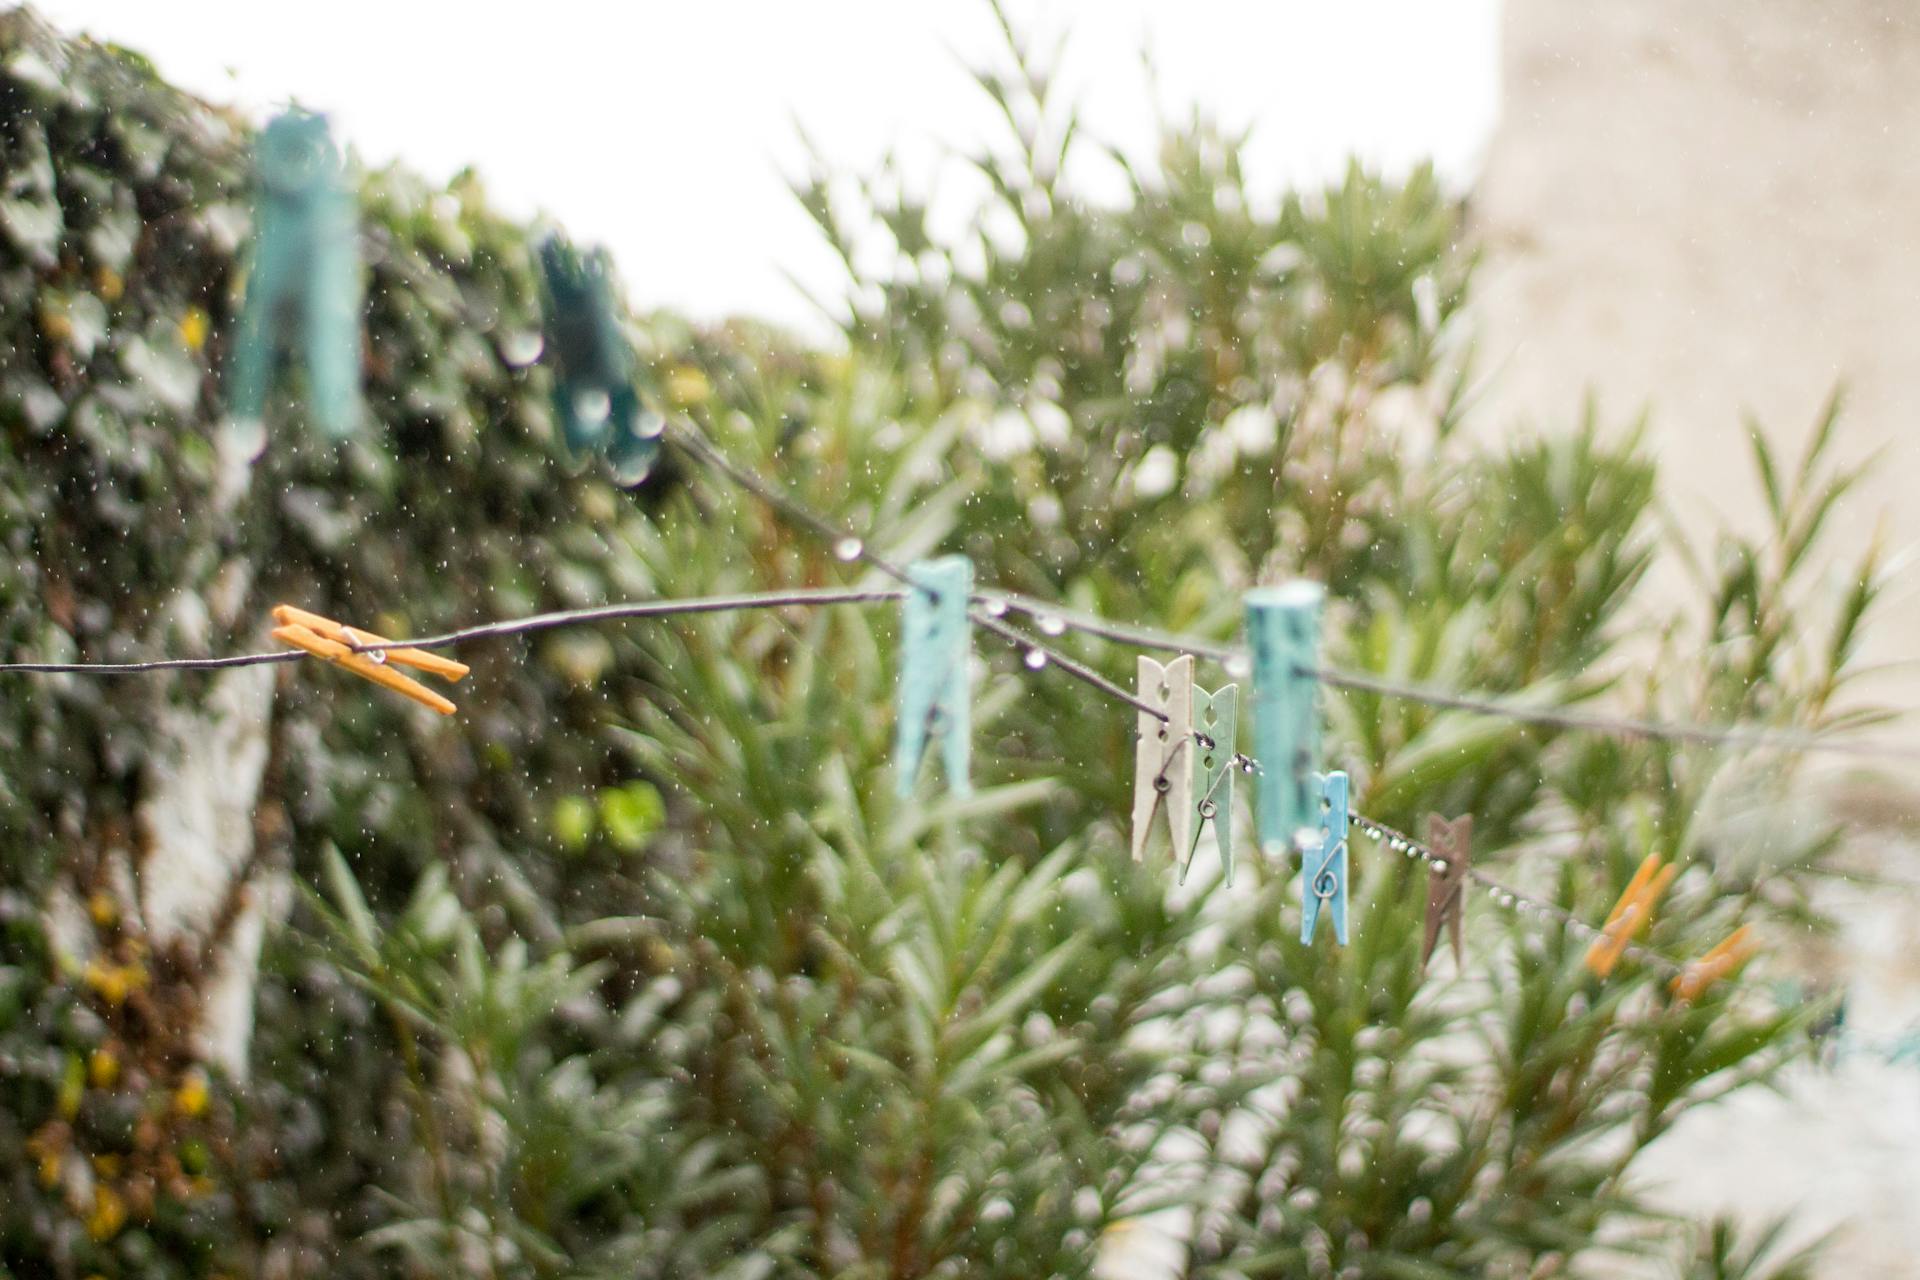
(50,1170)
(103,908)
(687,386)
(114,982)
(106,1166)
(108,284)
(193,328)
(103,1069)
(109,1214)
(190,1099)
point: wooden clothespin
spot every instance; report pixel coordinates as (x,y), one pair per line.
(1163,755)
(936,642)
(1214,717)
(1324,879)
(1630,915)
(1447,885)
(324,638)
(1722,961)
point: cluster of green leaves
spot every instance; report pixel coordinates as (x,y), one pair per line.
(640,966)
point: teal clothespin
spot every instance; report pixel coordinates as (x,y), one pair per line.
(1283,628)
(593,395)
(1214,715)
(936,643)
(305,271)
(1324,880)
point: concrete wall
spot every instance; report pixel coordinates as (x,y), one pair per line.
(1705,210)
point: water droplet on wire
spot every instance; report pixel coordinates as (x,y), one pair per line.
(521,348)
(997,607)
(1035,659)
(1238,667)
(592,407)
(1051,625)
(849,548)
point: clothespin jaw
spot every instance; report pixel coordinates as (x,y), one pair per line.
(324,638)
(1283,629)
(936,644)
(593,396)
(1723,960)
(305,269)
(1324,878)
(1214,716)
(1630,915)
(1447,886)
(1163,753)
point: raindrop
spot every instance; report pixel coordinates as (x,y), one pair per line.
(1238,667)
(849,548)
(1051,625)
(997,607)
(521,348)
(1036,659)
(651,425)
(592,407)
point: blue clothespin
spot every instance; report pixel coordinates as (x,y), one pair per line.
(936,644)
(304,272)
(1324,878)
(593,394)
(1283,629)
(1213,715)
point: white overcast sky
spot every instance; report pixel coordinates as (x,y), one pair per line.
(666,131)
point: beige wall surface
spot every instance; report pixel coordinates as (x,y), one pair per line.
(1707,210)
(1710,208)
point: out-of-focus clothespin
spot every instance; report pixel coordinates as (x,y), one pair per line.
(324,638)
(1723,960)
(303,276)
(1447,885)
(1630,914)
(593,391)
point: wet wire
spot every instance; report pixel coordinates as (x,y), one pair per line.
(988,610)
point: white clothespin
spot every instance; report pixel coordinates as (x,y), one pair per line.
(1163,761)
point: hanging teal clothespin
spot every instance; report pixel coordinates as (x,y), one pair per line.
(304,272)
(936,644)
(593,394)
(1324,877)
(1214,715)
(1283,629)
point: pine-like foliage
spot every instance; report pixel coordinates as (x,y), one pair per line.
(639,968)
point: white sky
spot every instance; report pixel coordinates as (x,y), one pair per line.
(666,131)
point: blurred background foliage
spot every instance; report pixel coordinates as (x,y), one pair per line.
(637,966)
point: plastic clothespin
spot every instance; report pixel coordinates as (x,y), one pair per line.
(1162,760)
(1447,886)
(1214,715)
(324,638)
(1283,628)
(1630,915)
(936,644)
(1324,881)
(305,269)
(593,395)
(1724,959)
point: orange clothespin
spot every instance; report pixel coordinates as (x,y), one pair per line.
(325,638)
(1630,915)
(1726,956)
